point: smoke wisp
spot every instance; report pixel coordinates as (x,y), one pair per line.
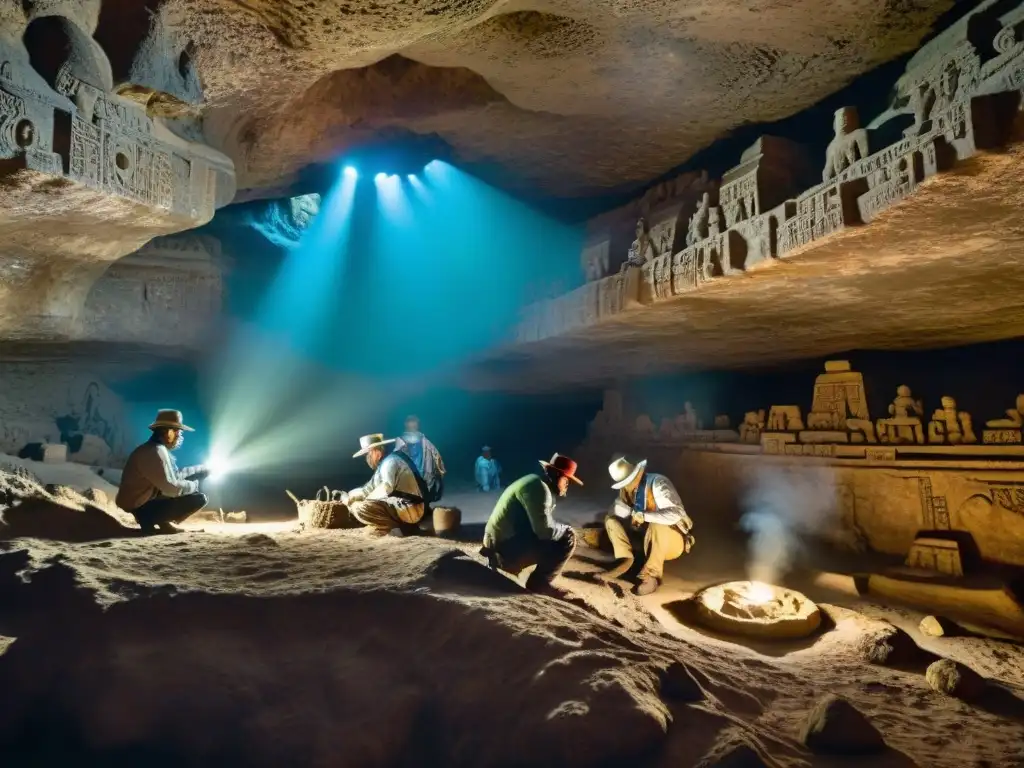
(784,507)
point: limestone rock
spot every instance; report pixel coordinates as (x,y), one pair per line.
(889,646)
(678,684)
(938,626)
(835,727)
(954,679)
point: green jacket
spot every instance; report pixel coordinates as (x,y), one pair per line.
(524,509)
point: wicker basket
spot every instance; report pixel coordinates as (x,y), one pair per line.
(327,510)
(447,521)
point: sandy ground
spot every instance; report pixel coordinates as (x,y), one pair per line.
(258,645)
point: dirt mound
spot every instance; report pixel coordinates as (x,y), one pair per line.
(57,512)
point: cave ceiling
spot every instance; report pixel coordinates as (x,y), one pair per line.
(568,97)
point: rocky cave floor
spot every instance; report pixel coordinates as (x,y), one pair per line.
(260,645)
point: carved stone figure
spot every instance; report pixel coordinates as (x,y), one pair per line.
(1014,417)
(698,229)
(950,426)
(904,424)
(785,418)
(688,421)
(849,145)
(641,249)
(752,427)
(722,422)
(644,427)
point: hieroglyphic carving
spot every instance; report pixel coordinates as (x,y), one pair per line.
(662,236)
(738,197)
(951,426)
(86,152)
(934,513)
(1001,436)
(819,212)
(838,393)
(904,422)
(1009,497)
(684,270)
(657,280)
(890,184)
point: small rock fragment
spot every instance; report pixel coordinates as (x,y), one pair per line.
(937,626)
(678,684)
(889,646)
(954,679)
(835,727)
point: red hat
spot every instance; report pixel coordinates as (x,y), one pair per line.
(563,464)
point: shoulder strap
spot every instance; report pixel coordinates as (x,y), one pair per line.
(640,496)
(415,473)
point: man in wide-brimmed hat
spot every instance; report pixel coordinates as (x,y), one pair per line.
(522,531)
(394,498)
(647,516)
(153,489)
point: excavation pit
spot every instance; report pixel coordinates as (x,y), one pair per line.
(756,609)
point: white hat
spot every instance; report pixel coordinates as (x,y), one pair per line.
(368,442)
(623,472)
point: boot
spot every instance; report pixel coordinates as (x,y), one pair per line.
(647,586)
(617,571)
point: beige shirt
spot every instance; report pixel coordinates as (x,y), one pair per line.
(151,472)
(392,475)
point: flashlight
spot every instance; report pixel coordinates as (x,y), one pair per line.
(218,467)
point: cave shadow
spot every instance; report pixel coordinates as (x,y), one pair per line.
(997,699)
(38,518)
(685,612)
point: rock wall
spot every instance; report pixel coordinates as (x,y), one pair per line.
(59,402)
(89,170)
(888,473)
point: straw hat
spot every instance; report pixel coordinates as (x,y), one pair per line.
(563,464)
(368,442)
(624,472)
(169,419)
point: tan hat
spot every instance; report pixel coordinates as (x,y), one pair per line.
(168,419)
(368,442)
(624,472)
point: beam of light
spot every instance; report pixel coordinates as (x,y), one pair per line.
(350,171)
(391,287)
(758,592)
(255,382)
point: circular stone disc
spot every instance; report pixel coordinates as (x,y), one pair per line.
(739,608)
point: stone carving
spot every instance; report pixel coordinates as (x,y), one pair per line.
(838,394)
(785,418)
(699,227)
(752,427)
(1008,430)
(951,426)
(934,511)
(1009,497)
(688,421)
(904,423)
(849,145)
(595,259)
(939,555)
(657,280)
(642,247)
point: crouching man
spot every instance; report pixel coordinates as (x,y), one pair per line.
(153,489)
(393,499)
(647,516)
(522,531)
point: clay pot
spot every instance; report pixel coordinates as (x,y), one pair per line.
(447,520)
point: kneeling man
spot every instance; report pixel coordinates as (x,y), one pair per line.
(393,500)
(649,514)
(522,531)
(153,489)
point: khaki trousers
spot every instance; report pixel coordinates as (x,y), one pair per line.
(383,516)
(660,543)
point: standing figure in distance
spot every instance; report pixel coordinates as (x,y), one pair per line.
(522,531)
(425,457)
(153,489)
(487,471)
(648,516)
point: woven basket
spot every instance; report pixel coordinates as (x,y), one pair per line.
(447,521)
(327,510)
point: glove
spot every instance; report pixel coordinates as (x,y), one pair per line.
(202,474)
(686,523)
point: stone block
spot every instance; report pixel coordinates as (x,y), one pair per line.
(55,453)
(941,555)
